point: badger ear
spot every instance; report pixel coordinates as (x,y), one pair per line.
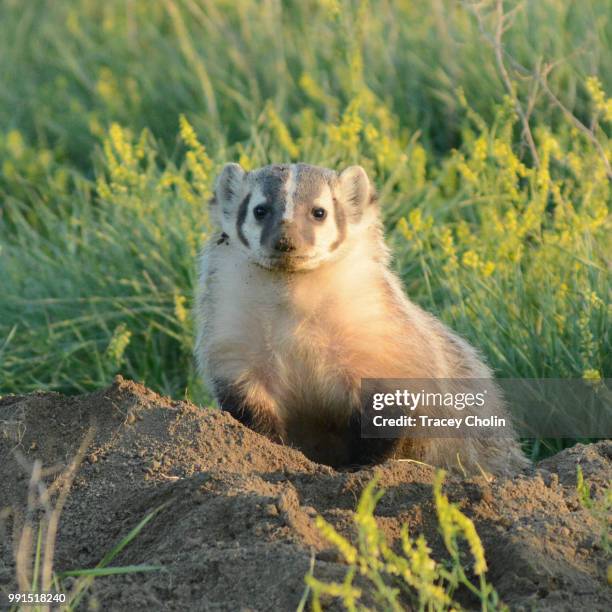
(355,190)
(229,185)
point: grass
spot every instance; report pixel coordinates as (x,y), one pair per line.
(35,570)
(394,579)
(77,590)
(600,508)
(502,232)
(85,577)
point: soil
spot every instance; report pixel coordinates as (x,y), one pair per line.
(237,529)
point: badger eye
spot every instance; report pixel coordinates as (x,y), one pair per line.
(318,213)
(259,212)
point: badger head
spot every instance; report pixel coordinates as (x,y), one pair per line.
(292,217)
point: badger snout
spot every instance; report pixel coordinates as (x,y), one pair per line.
(284,244)
(286,239)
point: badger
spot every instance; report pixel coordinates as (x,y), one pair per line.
(297,304)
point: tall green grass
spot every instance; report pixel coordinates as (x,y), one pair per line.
(70,66)
(103,189)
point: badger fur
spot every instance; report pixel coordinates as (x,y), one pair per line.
(297,304)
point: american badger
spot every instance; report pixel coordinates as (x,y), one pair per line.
(296,304)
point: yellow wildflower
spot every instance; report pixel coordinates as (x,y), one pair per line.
(590,374)
(349,552)
(471,259)
(347,134)
(198,162)
(488,268)
(180,312)
(453,523)
(448,249)
(15,144)
(602,104)
(416,219)
(418,161)
(281,131)
(314,91)
(118,343)
(467,173)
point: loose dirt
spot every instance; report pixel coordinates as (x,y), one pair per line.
(237,529)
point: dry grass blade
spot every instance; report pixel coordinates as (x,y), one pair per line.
(40,500)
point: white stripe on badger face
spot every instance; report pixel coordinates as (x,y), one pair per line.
(291,187)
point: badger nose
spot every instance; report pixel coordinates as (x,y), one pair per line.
(284,244)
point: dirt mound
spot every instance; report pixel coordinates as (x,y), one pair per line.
(237,531)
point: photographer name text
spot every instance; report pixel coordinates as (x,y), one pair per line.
(423,420)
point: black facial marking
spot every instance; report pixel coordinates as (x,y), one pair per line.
(223,239)
(270,227)
(272,180)
(242,212)
(273,184)
(340,218)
